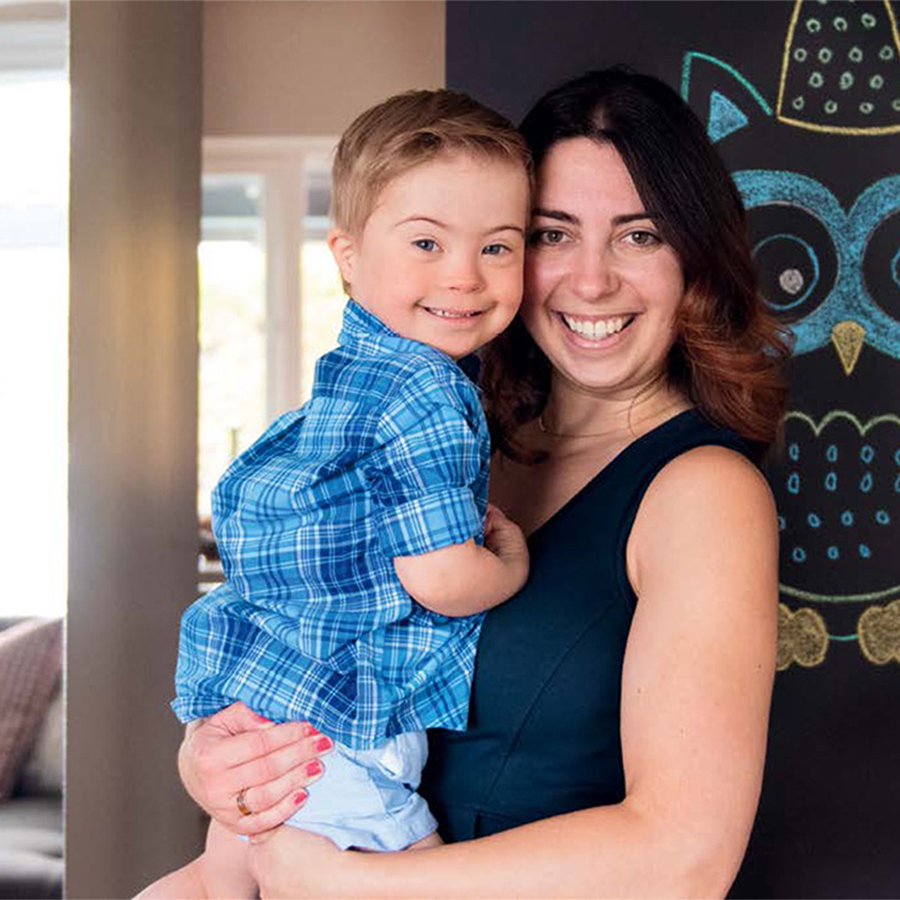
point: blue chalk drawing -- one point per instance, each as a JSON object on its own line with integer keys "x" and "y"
{"x": 724, "y": 117}
{"x": 688, "y": 63}
{"x": 850, "y": 232}
{"x": 810, "y": 255}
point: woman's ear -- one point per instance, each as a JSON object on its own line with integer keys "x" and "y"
{"x": 343, "y": 248}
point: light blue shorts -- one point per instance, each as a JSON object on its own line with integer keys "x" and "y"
{"x": 367, "y": 798}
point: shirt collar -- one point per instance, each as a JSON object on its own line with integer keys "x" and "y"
{"x": 360, "y": 327}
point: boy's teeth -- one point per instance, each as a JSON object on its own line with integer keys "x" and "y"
{"x": 599, "y": 328}
{"x": 450, "y": 314}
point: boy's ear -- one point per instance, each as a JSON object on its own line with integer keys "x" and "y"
{"x": 343, "y": 248}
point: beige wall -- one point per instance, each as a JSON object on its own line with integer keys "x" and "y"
{"x": 134, "y": 228}
{"x": 307, "y": 67}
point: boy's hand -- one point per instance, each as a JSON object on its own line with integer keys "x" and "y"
{"x": 506, "y": 541}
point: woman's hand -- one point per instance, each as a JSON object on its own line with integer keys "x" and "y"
{"x": 235, "y": 752}
{"x": 290, "y": 862}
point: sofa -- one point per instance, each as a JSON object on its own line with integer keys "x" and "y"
{"x": 31, "y": 769}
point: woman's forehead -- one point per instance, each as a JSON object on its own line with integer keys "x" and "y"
{"x": 580, "y": 170}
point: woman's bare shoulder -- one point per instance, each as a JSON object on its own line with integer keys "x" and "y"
{"x": 708, "y": 508}
{"x": 710, "y": 476}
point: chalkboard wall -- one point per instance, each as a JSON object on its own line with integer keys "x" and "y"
{"x": 803, "y": 100}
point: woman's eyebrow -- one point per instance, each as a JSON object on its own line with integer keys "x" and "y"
{"x": 557, "y": 214}
{"x": 561, "y": 216}
{"x": 625, "y": 218}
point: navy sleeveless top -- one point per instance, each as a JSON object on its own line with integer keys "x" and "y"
{"x": 543, "y": 728}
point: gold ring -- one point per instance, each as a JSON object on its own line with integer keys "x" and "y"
{"x": 243, "y": 809}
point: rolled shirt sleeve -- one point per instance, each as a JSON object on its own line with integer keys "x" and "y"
{"x": 422, "y": 477}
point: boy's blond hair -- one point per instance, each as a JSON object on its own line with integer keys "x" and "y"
{"x": 405, "y": 131}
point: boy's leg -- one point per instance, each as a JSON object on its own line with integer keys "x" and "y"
{"x": 221, "y": 872}
{"x": 224, "y": 866}
{"x": 185, "y": 883}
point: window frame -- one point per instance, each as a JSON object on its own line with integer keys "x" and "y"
{"x": 283, "y": 164}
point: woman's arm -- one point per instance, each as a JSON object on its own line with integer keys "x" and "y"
{"x": 696, "y": 686}
{"x": 237, "y": 750}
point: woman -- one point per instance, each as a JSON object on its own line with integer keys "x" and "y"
{"x": 618, "y": 720}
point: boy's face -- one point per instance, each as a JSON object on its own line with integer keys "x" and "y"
{"x": 440, "y": 258}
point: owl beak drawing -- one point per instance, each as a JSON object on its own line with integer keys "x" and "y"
{"x": 848, "y": 338}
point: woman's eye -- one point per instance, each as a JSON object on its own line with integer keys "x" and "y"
{"x": 644, "y": 238}
{"x": 495, "y": 249}
{"x": 426, "y": 244}
{"x": 546, "y": 236}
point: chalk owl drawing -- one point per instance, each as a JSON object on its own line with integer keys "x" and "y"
{"x": 829, "y": 263}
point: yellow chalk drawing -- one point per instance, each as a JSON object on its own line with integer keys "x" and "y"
{"x": 878, "y": 631}
{"x": 848, "y": 338}
{"x": 825, "y": 421}
{"x": 796, "y": 57}
{"x": 802, "y": 638}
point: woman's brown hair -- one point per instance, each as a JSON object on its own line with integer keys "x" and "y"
{"x": 729, "y": 350}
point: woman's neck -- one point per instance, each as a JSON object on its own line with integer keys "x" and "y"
{"x": 575, "y": 413}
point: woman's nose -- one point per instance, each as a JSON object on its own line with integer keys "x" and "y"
{"x": 593, "y": 273}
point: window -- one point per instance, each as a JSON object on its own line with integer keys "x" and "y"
{"x": 270, "y": 296}
{"x": 34, "y": 157}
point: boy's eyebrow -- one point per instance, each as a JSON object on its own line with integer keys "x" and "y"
{"x": 421, "y": 219}
{"x": 517, "y": 228}
{"x": 444, "y": 225}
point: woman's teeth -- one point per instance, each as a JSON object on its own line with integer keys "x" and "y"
{"x": 595, "y": 329}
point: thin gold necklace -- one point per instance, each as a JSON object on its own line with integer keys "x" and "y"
{"x": 595, "y": 434}
{"x": 567, "y": 434}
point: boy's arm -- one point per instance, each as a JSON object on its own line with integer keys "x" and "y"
{"x": 462, "y": 579}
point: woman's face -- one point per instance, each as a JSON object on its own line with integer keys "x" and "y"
{"x": 601, "y": 287}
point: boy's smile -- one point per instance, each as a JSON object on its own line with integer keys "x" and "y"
{"x": 440, "y": 258}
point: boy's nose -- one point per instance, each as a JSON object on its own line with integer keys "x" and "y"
{"x": 464, "y": 275}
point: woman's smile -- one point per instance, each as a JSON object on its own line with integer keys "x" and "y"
{"x": 597, "y": 331}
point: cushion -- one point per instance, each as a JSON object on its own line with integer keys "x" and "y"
{"x": 42, "y": 773}
{"x": 30, "y": 666}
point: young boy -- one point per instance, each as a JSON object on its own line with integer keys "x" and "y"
{"x": 353, "y": 532}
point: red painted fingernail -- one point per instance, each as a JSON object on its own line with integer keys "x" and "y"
{"x": 322, "y": 744}
{"x": 299, "y": 797}
{"x": 311, "y": 730}
{"x": 262, "y": 718}
{"x": 314, "y": 768}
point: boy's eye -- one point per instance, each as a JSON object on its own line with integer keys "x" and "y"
{"x": 495, "y": 249}
{"x": 426, "y": 244}
{"x": 544, "y": 236}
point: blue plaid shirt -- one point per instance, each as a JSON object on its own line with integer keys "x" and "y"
{"x": 389, "y": 458}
